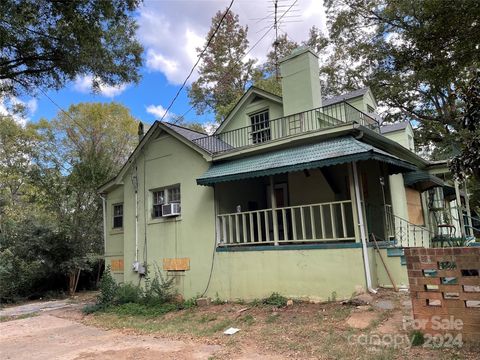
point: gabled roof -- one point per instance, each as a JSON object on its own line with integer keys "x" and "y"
{"x": 186, "y": 136}
{"x": 347, "y": 96}
{"x": 249, "y": 94}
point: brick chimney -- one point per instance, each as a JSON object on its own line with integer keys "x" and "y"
{"x": 300, "y": 81}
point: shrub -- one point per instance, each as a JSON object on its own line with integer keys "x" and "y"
{"x": 128, "y": 293}
{"x": 91, "y": 308}
{"x": 17, "y": 276}
{"x": 187, "y": 304}
{"x": 276, "y": 300}
{"x": 132, "y": 309}
{"x": 158, "y": 290}
{"x": 108, "y": 288}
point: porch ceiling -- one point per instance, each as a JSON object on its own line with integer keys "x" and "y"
{"x": 330, "y": 152}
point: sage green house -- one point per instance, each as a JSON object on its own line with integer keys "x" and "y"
{"x": 283, "y": 197}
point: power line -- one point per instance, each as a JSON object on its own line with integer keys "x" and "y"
{"x": 198, "y": 60}
{"x": 249, "y": 51}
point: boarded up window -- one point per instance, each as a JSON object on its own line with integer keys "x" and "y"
{"x": 414, "y": 205}
{"x": 176, "y": 264}
{"x": 117, "y": 265}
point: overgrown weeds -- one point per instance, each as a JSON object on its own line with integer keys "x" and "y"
{"x": 154, "y": 299}
{"x": 276, "y": 300}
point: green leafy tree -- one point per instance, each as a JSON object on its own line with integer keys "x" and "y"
{"x": 223, "y": 73}
{"x": 416, "y": 56}
{"x": 265, "y": 76}
{"x": 95, "y": 140}
{"x": 51, "y": 214}
{"x": 47, "y": 43}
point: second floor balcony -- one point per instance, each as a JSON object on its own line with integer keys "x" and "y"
{"x": 264, "y": 130}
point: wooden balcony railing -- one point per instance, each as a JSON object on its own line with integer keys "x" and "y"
{"x": 332, "y": 221}
{"x": 296, "y": 124}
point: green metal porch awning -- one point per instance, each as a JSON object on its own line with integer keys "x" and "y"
{"x": 422, "y": 181}
{"x": 330, "y": 152}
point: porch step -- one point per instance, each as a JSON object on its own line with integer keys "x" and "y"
{"x": 392, "y": 252}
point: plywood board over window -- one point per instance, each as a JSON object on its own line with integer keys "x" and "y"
{"x": 414, "y": 205}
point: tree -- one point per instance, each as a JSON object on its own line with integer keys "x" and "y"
{"x": 467, "y": 162}
{"x": 50, "y": 172}
{"x": 416, "y": 56}
{"x": 223, "y": 73}
{"x": 95, "y": 140}
{"x": 47, "y": 43}
{"x": 265, "y": 76}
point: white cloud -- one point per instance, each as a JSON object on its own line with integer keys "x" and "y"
{"x": 83, "y": 84}
{"x": 158, "y": 111}
{"x": 8, "y": 104}
{"x": 172, "y": 30}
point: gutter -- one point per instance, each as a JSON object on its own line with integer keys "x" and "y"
{"x": 104, "y": 206}
{"x": 363, "y": 235}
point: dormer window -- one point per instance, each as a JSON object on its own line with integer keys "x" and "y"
{"x": 260, "y": 127}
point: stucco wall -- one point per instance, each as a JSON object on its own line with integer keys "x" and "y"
{"x": 191, "y": 235}
{"x": 241, "y": 117}
{"x": 314, "y": 273}
{"x": 395, "y": 267}
{"x": 115, "y": 238}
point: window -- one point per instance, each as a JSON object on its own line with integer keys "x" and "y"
{"x": 370, "y": 109}
{"x": 164, "y": 196}
{"x": 118, "y": 216}
{"x": 260, "y": 127}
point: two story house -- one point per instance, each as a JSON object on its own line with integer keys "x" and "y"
{"x": 284, "y": 196}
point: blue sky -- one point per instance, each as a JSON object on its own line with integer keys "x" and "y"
{"x": 170, "y": 31}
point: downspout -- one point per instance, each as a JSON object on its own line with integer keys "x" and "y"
{"x": 136, "y": 226}
{"x": 104, "y": 206}
{"x": 135, "y": 188}
{"x": 363, "y": 235}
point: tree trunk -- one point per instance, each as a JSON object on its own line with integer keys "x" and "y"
{"x": 74, "y": 276}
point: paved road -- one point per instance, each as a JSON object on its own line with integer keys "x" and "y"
{"x": 49, "y": 337}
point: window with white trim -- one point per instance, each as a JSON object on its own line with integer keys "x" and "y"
{"x": 164, "y": 196}
{"x": 260, "y": 127}
{"x": 117, "y": 216}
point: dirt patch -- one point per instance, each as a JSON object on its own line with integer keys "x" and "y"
{"x": 49, "y": 337}
{"x": 301, "y": 331}
{"x": 361, "y": 320}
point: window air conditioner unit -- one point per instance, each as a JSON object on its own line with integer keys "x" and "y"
{"x": 171, "y": 210}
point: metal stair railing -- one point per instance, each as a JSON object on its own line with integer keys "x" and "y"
{"x": 406, "y": 233}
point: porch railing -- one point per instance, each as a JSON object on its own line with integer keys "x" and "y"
{"x": 405, "y": 233}
{"x": 274, "y": 129}
{"x": 332, "y": 221}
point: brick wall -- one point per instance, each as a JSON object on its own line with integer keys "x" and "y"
{"x": 445, "y": 287}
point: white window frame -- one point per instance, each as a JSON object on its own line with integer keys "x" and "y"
{"x": 260, "y": 127}
{"x": 171, "y": 194}
{"x": 115, "y": 216}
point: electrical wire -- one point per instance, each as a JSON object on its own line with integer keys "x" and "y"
{"x": 198, "y": 61}
{"x": 227, "y": 72}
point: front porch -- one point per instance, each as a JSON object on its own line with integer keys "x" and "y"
{"x": 316, "y": 206}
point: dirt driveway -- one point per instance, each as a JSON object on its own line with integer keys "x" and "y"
{"x": 49, "y": 337}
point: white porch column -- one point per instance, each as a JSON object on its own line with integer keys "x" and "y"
{"x": 361, "y": 224}
{"x": 273, "y": 201}
{"x": 459, "y": 208}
